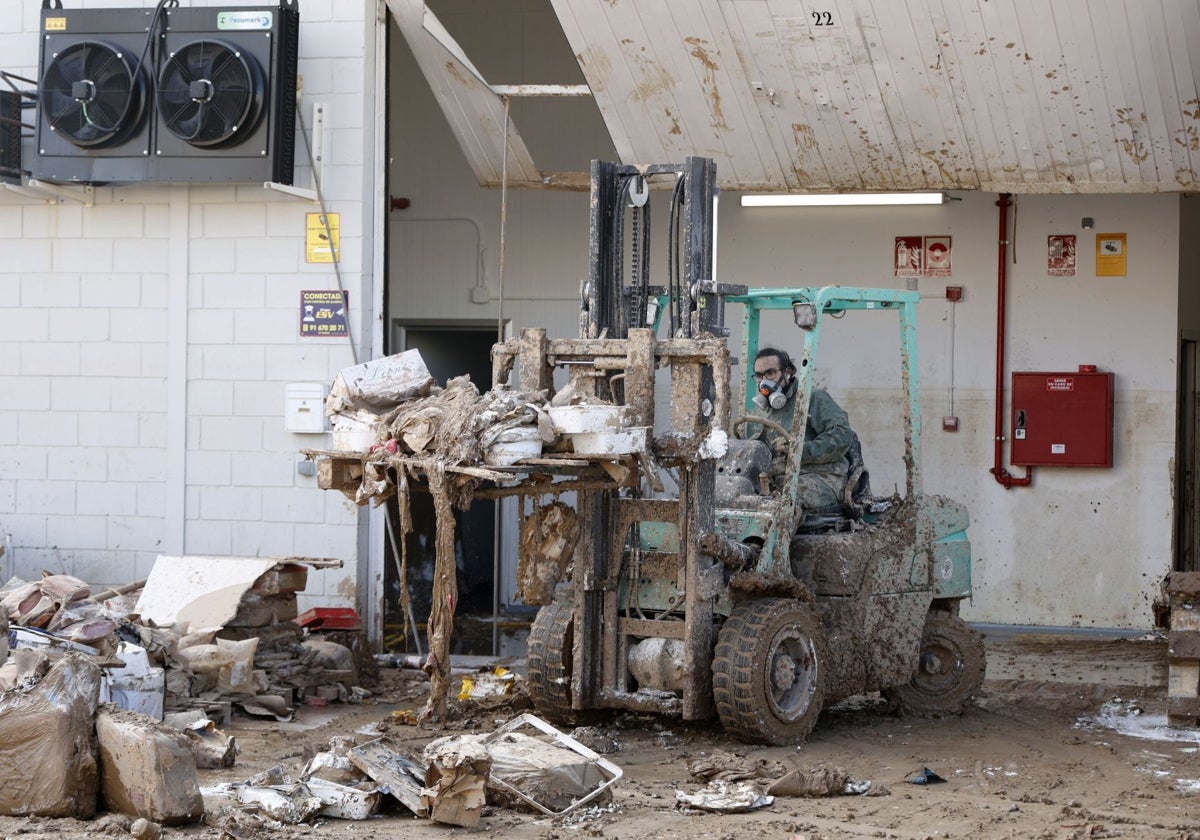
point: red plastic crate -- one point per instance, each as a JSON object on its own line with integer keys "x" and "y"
{"x": 329, "y": 618}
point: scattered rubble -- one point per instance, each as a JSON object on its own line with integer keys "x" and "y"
{"x": 112, "y": 700}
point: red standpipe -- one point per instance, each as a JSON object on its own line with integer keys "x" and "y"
{"x": 1003, "y": 476}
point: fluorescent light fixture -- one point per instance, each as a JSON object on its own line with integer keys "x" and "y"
{"x": 842, "y": 199}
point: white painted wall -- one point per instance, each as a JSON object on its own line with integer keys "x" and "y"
{"x": 1080, "y": 546}
{"x": 146, "y": 342}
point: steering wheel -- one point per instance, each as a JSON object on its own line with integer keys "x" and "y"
{"x": 761, "y": 421}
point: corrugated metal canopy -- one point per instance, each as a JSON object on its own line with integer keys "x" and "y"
{"x": 998, "y": 95}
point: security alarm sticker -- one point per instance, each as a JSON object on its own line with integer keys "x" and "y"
{"x": 245, "y": 20}
{"x": 322, "y": 237}
{"x": 323, "y": 314}
{"x": 1110, "y": 255}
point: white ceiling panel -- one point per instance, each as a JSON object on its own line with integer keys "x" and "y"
{"x": 998, "y": 95}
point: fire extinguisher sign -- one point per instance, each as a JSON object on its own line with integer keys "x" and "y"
{"x": 922, "y": 256}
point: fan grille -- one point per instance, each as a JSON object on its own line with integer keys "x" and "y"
{"x": 210, "y": 93}
{"x": 91, "y": 95}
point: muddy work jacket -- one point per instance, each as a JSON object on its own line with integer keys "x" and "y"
{"x": 827, "y": 439}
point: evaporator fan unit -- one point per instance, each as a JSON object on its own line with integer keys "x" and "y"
{"x": 167, "y": 94}
{"x": 210, "y": 93}
{"x": 92, "y": 94}
{"x": 225, "y": 94}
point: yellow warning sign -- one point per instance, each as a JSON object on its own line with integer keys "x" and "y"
{"x": 1110, "y": 255}
{"x": 322, "y": 239}
{"x": 56, "y": 24}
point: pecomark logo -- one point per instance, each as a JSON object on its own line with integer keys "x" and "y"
{"x": 244, "y": 20}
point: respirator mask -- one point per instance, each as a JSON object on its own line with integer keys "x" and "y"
{"x": 770, "y": 394}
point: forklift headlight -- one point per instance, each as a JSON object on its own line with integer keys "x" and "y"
{"x": 805, "y": 315}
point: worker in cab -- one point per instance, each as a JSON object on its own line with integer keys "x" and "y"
{"x": 828, "y": 437}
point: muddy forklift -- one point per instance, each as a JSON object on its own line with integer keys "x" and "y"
{"x": 699, "y": 588}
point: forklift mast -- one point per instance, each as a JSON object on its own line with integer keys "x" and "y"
{"x": 620, "y": 197}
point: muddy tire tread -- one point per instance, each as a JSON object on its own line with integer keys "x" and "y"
{"x": 950, "y": 631}
{"x": 739, "y": 675}
{"x": 548, "y": 661}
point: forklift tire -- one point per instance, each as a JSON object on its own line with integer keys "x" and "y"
{"x": 769, "y": 671}
{"x": 548, "y": 660}
{"x": 951, "y": 669}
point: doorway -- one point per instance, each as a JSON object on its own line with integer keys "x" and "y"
{"x": 449, "y": 349}
{"x": 1187, "y": 516}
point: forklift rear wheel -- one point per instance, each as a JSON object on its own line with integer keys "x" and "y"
{"x": 769, "y": 671}
{"x": 548, "y": 660}
{"x": 950, "y": 670}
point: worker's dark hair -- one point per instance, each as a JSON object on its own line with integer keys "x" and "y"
{"x": 784, "y": 359}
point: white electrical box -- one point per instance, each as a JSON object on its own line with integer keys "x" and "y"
{"x": 305, "y": 410}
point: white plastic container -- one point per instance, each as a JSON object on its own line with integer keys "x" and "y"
{"x": 512, "y": 445}
{"x": 618, "y": 442}
{"x": 353, "y": 440}
{"x": 586, "y": 419}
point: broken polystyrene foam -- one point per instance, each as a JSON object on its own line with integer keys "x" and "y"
{"x": 290, "y": 804}
{"x": 393, "y": 772}
{"x": 380, "y": 383}
{"x": 137, "y": 662}
{"x": 342, "y": 802}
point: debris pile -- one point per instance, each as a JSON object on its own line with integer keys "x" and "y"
{"x": 112, "y": 699}
{"x": 405, "y": 432}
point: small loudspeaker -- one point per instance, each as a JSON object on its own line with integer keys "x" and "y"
{"x": 10, "y": 136}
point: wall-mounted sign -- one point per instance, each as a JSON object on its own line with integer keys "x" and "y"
{"x": 322, "y": 241}
{"x": 1110, "y": 255}
{"x": 909, "y": 253}
{"x": 922, "y": 256}
{"x": 323, "y": 314}
{"x": 1060, "y": 255}
{"x": 937, "y": 256}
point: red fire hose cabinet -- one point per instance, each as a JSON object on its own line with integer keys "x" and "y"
{"x": 1062, "y": 419}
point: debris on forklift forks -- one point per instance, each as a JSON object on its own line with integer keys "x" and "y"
{"x": 690, "y": 585}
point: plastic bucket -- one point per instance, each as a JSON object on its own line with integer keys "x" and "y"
{"x": 512, "y": 445}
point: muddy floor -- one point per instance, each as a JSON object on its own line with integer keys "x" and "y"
{"x": 1066, "y": 741}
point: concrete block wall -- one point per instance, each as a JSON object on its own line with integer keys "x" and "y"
{"x": 146, "y": 343}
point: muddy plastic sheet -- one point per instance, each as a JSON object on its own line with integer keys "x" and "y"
{"x": 48, "y": 744}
